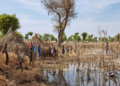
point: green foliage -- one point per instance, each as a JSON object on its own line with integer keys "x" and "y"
{"x": 64, "y": 37}
{"x": 71, "y": 38}
{"x": 52, "y": 38}
{"x": 6, "y": 21}
{"x": 111, "y": 39}
{"x": 40, "y": 36}
{"x": 117, "y": 37}
{"x": 104, "y": 39}
{"x": 26, "y": 37}
{"x": 19, "y": 35}
{"x": 77, "y": 37}
{"x": 30, "y": 33}
{"x": 84, "y": 35}
{"x": 89, "y": 38}
{"x": 94, "y": 39}
{"x": 46, "y": 37}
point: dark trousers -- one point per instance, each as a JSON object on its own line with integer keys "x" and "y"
{"x": 20, "y": 63}
{"x": 7, "y": 58}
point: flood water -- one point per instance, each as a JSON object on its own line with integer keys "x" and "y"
{"x": 69, "y": 75}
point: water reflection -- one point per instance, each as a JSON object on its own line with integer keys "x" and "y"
{"x": 76, "y": 74}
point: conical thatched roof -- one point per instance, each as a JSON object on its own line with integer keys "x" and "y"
{"x": 44, "y": 47}
{"x": 12, "y": 39}
{"x": 38, "y": 40}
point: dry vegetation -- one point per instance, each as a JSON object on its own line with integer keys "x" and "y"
{"x": 11, "y": 75}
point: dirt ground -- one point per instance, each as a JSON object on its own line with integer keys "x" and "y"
{"x": 11, "y": 75}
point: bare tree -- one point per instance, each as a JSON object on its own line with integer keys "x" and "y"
{"x": 63, "y": 11}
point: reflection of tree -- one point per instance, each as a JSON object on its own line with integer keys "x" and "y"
{"x": 61, "y": 77}
{"x": 114, "y": 80}
{"x": 77, "y": 79}
{"x": 54, "y": 72}
{"x": 88, "y": 76}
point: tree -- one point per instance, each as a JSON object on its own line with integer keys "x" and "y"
{"x": 19, "y": 35}
{"x": 71, "y": 38}
{"x": 40, "y": 36}
{"x": 89, "y": 38}
{"x": 63, "y": 11}
{"x": 26, "y": 37}
{"x": 94, "y": 39}
{"x": 46, "y": 37}
{"x": 117, "y": 37}
{"x": 103, "y": 39}
{"x": 111, "y": 39}
{"x": 84, "y": 35}
{"x": 6, "y": 21}
{"x": 30, "y": 33}
{"x": 64, "y": 37}
{"x": 77, "y": 37}
{"x": 52, "y": 38}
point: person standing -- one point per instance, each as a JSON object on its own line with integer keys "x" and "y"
{"x": 30, "y": 53}
{"x": 75, "y": 48}
{"x": 66, "y": 51}
{"x": 4, "y": 50}
{"x": 107, "y": 48}
{"x": 34, "y": 47}
{"x": 52, "y": 50}
{"x": 39, "y": 51}
{"x": 63, "y": 50}
{"x": 17, "y": 52}
{"x": 31, "y": 46}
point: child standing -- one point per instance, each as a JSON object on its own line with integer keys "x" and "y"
{"x": 66, "y": 51}
{"x": 34, "y": 47}
{"x": 39, "y": 51}
{"x": 30, "y": 53}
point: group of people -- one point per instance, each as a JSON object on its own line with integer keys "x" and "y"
{"x": 35, "y": 48}
{"x": 68, "y": 50}
{"x": 52, "y": 51}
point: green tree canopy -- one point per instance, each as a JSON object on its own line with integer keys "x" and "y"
{"x": 40, "y": 36}
{"x": 6, "y": 21}
{"x": 19, "y": 35}
{"x": 117, "y": 37}
{"x": 64, "y": 37}
{"x": 84, "y": 35}
{"x": 26, "y": 37}
{"x": 71, "y": 38}
{"x": 94, "y": 39}
{"x": 52, "y": 38}
{"x": 89, "y": 38}
{"x": 46, "y": 37}
{"x": 111, "y": 39}
{"x": 77, "y": 37}
{"x": 30, "y": 33}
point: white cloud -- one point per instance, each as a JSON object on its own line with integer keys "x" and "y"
{"x": 34, "y": 5}
{"x": 91, "y": 27}
{"x": 94, "y": 5}
{"x": 28, "y": 23}
{"x": 88, "y": 25}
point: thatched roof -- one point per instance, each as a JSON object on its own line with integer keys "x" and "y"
{"x": 12, "y": 39}
{"x": 38, "y": 40}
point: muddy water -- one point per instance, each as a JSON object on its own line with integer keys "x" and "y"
{"x": 72, "y": 74}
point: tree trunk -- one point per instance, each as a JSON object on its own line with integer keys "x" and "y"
{"x": 60, "y": 38}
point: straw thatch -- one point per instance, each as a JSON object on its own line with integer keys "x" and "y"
{"x": 44, "y": 47}
{"x": 12, "y": 40}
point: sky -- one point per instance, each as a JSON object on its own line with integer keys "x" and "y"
{"x": 92, "y": 14}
